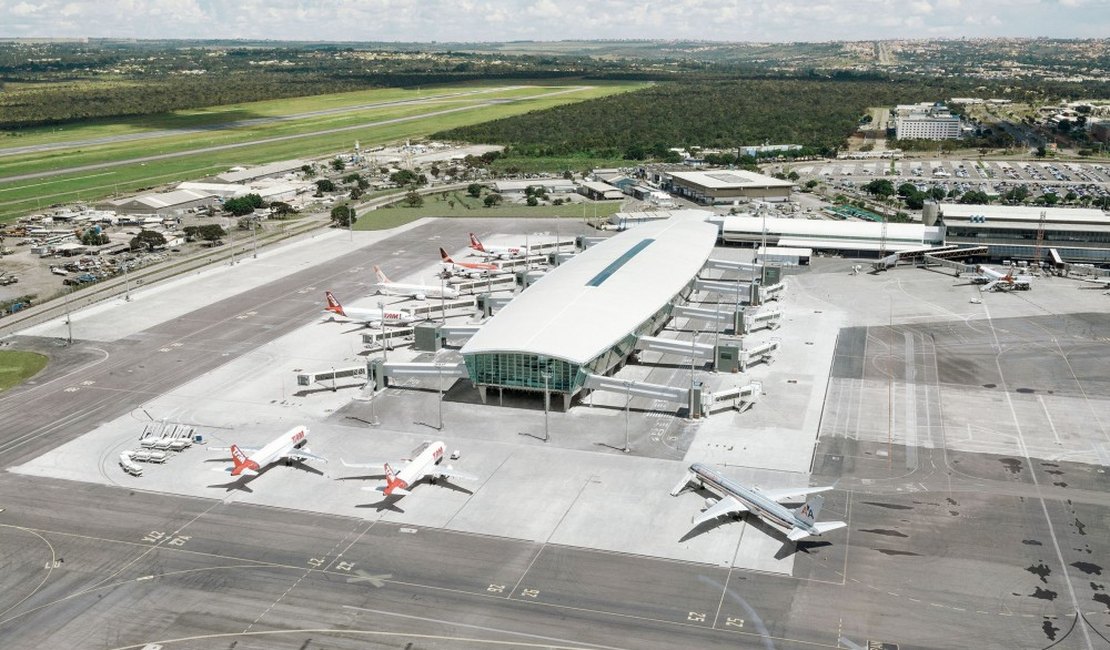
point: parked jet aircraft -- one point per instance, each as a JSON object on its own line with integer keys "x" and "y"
{"x": 499, "y": 252}
{"x": 468, "y": 269}
{"x": 368, "y": 316}
{"x": 289, "y": 447}
{"x": 417, "y": 291}
{"x": 425, "y": 463}
{"x": 797, "y": 523}
{"x": 999, "y": 280}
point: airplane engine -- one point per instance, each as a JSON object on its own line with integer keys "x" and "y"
{"x": 709, "y": 503}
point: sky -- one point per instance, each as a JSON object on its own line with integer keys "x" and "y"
{"x": 503, "y": 20}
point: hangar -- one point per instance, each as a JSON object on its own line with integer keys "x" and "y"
{"x": 585, "y": 317}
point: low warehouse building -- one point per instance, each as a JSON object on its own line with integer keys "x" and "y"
{"x": 726, "y": 186}
{"x": 163, "y": 204}
{"x": 584, "y": 317}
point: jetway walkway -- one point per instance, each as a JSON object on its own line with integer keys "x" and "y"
{"x": 765, "y": 319}
{"x": 674, "y": 346}
{"x": 723, "y": 287}
{"x": 952, "y": 258}
{"x": 333, "y": 375}
{"x": 909, "y": 255}
{"x": 740, "y": 398}
{"x": 725, "y": 316}
{"x": 435, "y": 307}
{"x": 729, "y": 265}
{"x": 487, "y": 284}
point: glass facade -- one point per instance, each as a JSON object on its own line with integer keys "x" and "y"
{"x": 525, "y": 371}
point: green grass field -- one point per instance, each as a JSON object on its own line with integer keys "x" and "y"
{"x": 459, "y": 204}
{"x": 21, "y": 197}
{"x": 17, "y": 367}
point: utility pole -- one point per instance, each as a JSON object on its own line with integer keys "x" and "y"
{"x": 126, "y": 282}
{"x": 546, "y": 374}
{"x": 1038, "y": 249}
{"x": 69, "y": 321}
{"x": 381, "y": 325}
{"x": 254, "y": 239}
{"x": 627, "y": 404}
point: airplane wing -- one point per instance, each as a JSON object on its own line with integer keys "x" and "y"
{"x": 303, "y": 454}
{"x": 783, "y": 495}
{"x": 450, "y": 472}
{"x": 246, "y": 450}
{"x": 726, "y": 506}
{"x": 378, "y": 464}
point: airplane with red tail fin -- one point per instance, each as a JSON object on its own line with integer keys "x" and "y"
{"x": 499, "y": 252}
{"x": 290, "y": 447}
{"x": 425, "y": 463}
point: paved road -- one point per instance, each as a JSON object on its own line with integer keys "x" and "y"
{"x": 282, "y": 138}
{"x": 240, "y": 124}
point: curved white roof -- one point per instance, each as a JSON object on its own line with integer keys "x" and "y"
{"x": 588, "y": 304}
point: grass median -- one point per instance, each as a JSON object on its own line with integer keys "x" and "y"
{"x": 17, "y": 366}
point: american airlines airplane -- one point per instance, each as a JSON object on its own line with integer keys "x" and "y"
{"x": 425, "y": 463}
{"x": 367, "y": 316}
{"x": 499, "y": 252}
{"x": 797, "y": 523}
{"x": 417, "y": 291}
{"x": 468, "y": 269}
{"x": 289, "y": 447}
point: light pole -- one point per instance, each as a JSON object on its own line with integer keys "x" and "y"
{"x": 231, "y": 241}
{"x": 69, "y": 320}
{"x": 693, "y": 350}
{"x": 439, "y": 383}
{"x": 442, "y": 300}
{"x": 546, "y": 374}
{"x": 254, "y": 239}
{"x": 381, "y": 325}
{"x": 627, "y": 405}
{"x": 126, "y": 282}
{"x": 716, "y": 332}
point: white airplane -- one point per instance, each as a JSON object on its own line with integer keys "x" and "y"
{"x": 797, "y": 523}
{"x": 368, "y": 316}
{"x": 468, "y": 269}
{"x": 417, "y": 291}
{"x": 290, "y": 446}
{"x": 425, "y": 462}
{"x": 999, "y": 280}
{"x": 498, "y": 252}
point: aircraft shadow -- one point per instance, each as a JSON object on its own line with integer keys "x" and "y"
{"x": 387, "y": 503}
{"x": 361, "y": 477}
{"x": 451, "y": 486}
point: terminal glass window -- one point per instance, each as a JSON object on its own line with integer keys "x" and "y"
{"x": 514, "y": 370}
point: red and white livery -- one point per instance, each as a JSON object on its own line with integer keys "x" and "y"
{"x": 468, "y": 269}
{"x": 499, "y": 252}
{"x": 425, "y": 463}
{"x": 415, "y": 291}
{"x": 289, "y": 447}
{"x": 367, "y": 316}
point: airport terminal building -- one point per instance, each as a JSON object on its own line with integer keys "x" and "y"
{"x": 850, "y": 237}
{"x": 585, "y": 316}
{"x": 1010, "y": 232}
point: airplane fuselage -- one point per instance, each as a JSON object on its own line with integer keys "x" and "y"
{"x": 766, "y": 509}
{"x": 417, "y": 291}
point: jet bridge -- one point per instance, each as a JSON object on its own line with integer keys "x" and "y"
{"x": 702, "y": 313}
{"x": 674, "y": 346}
{"x": 488, "y": 283}
{"x": 740, "y": 398}
{"x": 760, "y": 352}
{"x": 382, "y": 373}
{"x": 330, "y": 378}
{"x": 765, "y": 319}
{"x": 723, "y": 286}
{"x": 729, "y": 265}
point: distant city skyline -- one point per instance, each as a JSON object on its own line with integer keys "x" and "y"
{"x": 547, "y": 20}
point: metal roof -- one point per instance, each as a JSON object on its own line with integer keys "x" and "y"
{"x": 729, "y": 179}
{"x": 262, "y": 170}
{"x": 1031, "y": 214}
{"x": 588, "y": 304}
{"x": 825, "y": 234}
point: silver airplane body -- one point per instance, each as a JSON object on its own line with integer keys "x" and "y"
{"x": 797, "y": 523}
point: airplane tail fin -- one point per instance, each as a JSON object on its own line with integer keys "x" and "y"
{"x": 382, "y": 279}
{"x": 393, "y": 485}
{"x": 807, "y": 514}
{"x": 333, "y": 304}
{"x": 445, "y": 257}
{"x": 476, "y": 244}
{"x": 243, "y": 465}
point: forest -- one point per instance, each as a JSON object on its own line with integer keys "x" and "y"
{"x": 818, "y": 114}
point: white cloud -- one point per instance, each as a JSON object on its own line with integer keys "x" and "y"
{"x": 474, "y": 20}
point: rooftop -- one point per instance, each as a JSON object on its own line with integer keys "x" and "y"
{"x": 1030, "y": 214}
{"x": 729, "y": 179}
{"x": 261, "y": 170}
{"x": 585, "y": 306}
